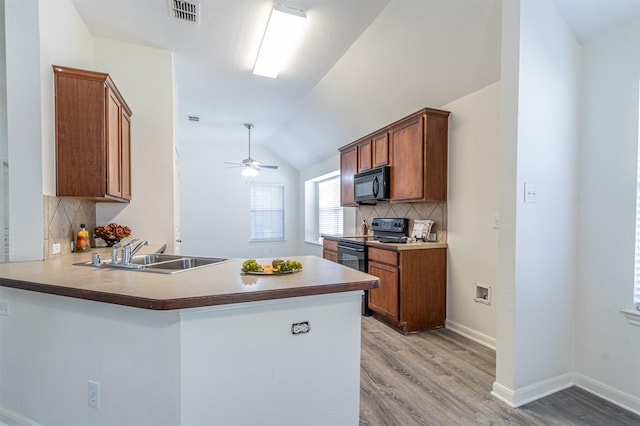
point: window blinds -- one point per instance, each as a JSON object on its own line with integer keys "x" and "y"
{"x": 329, "y": 210}
{"x": 267, "y": 212}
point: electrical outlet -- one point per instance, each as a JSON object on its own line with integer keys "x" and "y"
{"x": 55, "y": 248}
{"x": 300, "y": 327}
{"x": 5, "y": 308}
{"x": 483, "y": 294}
{"x": 94, "y": 394}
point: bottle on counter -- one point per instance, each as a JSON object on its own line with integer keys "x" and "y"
{"x": 82, "y": 242}
{"x": 365, "y": 228}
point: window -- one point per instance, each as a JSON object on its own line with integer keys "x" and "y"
{"x": 322, "y": 211}
{"x": 267, "y": 212}
{"x": 329, "y": 210}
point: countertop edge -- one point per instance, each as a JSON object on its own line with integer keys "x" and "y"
{"x": 186, "y": 302}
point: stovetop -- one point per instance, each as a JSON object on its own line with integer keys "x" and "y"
{"x": 385, "y": 230}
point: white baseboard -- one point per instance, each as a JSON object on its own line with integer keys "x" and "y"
{"x": 10, "y": 418}
{"x": 621, "y": 399}
{"x": 531, "y": 392}
{"x": 471, "y": 334}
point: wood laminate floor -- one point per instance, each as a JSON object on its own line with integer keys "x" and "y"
{"x": 441, "y": 378}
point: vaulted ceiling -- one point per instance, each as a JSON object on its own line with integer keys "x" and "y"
{"x": 360, "y": 65}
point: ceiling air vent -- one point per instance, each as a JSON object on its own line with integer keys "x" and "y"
{"x": 184, "y": 10}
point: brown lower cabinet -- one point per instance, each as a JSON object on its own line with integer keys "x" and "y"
{"x": 330, "y": 249}
{"x": 413, "y": 292}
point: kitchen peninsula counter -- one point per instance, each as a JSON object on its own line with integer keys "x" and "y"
{"x": 217, "y": 284}
{"x": 210, "y": 346}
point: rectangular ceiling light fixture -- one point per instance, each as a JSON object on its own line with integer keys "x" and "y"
{"x": 280, "y": 39}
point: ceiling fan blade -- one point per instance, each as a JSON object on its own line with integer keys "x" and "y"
{"x": 250, "y": 162}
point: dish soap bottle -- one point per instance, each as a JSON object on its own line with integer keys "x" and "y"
{"x": 82, "y": 243}
{"x": 365, "y": 228}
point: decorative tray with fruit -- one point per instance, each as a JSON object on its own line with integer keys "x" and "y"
{"x": 277, "y": 267}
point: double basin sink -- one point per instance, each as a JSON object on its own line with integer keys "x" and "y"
{"x": 160, "y": 263}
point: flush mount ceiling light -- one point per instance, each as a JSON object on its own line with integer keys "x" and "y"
{"x": 280, "y": 39}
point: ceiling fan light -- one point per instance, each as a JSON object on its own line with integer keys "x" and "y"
{"x": 279, "y": 41}
{"x": 249, "y": 171}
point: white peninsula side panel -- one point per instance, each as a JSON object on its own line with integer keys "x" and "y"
{"x": 222, "y": 365}
{"x": 241, "y": 364}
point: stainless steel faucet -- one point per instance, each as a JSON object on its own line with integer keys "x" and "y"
{"x": 114, "y": 252}
{"x": 128, "y": 252}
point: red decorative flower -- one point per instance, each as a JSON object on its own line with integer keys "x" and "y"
{"x": 112, "y": 232}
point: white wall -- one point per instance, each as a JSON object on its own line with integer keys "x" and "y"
{"x": 474, "y": 147}
{"x": 144, "y": 76}
{"x": 607, "y": 347}
{"x": 541, "y": 349}
{"x": 215, "y": 200}
{"x": 52, "y": 346}
{"x": 38, "y": 34}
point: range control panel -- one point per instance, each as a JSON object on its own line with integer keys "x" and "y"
{"x": 397, "y": 225}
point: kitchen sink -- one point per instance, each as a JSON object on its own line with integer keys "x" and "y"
{"x": 183, "y": 264}
{"x": 154, "y": 258}
{"x": 159, "y": 263}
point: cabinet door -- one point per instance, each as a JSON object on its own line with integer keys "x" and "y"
{"x": 364, "y": 156}
{"x": 384, "y": 299}
{"x": 408, "y": 160}
{"x": 330, "y": 255}
{"x": 348, "y": 168}
{"x": 125, "y": 165}
{"x": 380, "y": 150}
{"x": 114, "y": 155}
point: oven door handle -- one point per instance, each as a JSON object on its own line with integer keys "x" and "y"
{"x": 349, "y": 248}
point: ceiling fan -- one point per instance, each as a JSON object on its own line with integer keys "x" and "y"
{"x": 250, "y": 167}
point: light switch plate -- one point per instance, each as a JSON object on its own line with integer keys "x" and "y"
{"x": 55, "y": 248}
{"x": 530, "y": 193}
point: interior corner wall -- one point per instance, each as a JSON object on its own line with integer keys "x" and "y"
{"x": 215, "y": 201}
{"x": 473, "y": 200}
{"x": 144, "y": 76}
{"x": 607, "y": 347}
{"x": 546, "y": 151}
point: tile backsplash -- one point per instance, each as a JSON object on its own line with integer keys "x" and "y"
{"x": 433, "y": 211}
{"x": 62, "y": 219}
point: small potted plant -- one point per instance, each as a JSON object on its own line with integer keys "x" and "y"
{"x": 112, "y": 233}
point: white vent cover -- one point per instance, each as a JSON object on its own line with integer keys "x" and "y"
{"x": 185, "y": 10}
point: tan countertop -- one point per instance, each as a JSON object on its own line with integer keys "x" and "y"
{"x": 418, "y": 245}
{"x": 217, "y": 284}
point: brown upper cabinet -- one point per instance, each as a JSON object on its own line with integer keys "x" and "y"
{"x": 348, "y": 168}
{"x": 380, "y": 144}
{"x": 93, "y": 136}
{"x": 415, "y": 148}
{"x": 364, "y": 155}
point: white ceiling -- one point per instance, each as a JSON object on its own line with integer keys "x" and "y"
{"x": 361, "y": 64}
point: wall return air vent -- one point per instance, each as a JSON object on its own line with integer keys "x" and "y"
{"x": 185, "y": 10}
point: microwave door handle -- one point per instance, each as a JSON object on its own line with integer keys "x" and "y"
{"x": 376, "y": 187}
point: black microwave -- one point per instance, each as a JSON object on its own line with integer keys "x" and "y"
{"x": 371, "y": 185}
